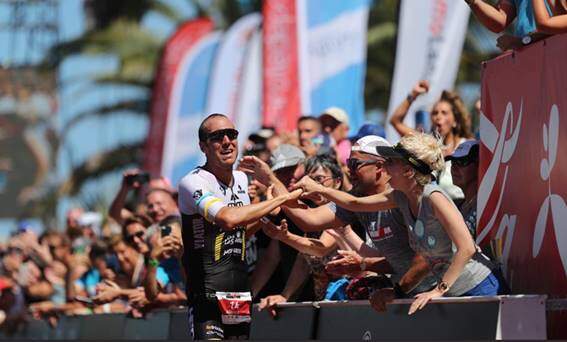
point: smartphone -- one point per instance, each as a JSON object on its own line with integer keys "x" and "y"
{"x": 165, "y": 230}
{"x": 142, "y": 178}
{"x": 85, "y": 300}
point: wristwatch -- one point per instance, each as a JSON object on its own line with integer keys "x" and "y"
{"x": 410, "y": 98}
{"x": 526, "y": 40}
{"x": 443, "y": 286}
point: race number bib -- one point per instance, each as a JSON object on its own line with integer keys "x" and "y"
{"x": 234, "y": 306}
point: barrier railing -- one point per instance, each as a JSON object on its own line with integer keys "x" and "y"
{"x": 503, "y": 317}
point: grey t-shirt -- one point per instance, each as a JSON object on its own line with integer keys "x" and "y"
{"x": 428, "y": 237}
{"x": 388, "y": 234}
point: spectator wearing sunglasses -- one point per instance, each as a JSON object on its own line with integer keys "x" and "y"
{"x": 388, "y": 250}
{"x": 465, "y": 175}
{"x": 135, "y": 233}
{"x": 436, "y": 227}
{"x": 160, "y": 257}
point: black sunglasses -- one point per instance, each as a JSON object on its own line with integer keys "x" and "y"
{"x": 354, "y": 164}
{"x": 218, "y": 136}
{"x": 139, "y": 234}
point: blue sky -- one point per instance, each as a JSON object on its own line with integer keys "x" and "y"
{"x": 76, "y": 94}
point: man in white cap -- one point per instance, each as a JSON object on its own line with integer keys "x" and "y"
{"x": 287, "y": 165}
{"x": 335, "y": 123}
{"x": 386, "y": 229}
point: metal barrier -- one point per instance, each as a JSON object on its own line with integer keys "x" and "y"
{"x": 466, "y": 318}
{"x": 503, "y": 317}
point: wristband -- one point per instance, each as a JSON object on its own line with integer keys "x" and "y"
{"x": 152, "y": 262}
{"x": 410, "y": 98}
{"x": 398, "y": 292}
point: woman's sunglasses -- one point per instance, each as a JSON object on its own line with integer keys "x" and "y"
{"x": 218, "y": 136}
{"x": 140, "y": 234}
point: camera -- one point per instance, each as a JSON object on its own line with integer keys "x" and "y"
{"x": 141, "y": 178}
{"x": 165, "y": 230}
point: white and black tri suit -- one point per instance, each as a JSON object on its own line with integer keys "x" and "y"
{"x": 214, "y": 259}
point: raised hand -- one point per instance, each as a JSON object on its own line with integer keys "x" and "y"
{"x": 292, "y": 197}
{"x": 275, "y": 232}
{"x": 345, "y": 263}
{"x": 172, "y": 246}
{"x": 308, "y": 185}
{"x": 257, "y": 167}
{"x": 420, "y": 88}
{"x": 129, "y": 173}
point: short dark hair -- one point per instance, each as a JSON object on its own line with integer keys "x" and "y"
{"x": 308, "y": 118}
{"x": 202, "y": 130}
{"x": 99, "y": 249}
{"x": 331, "y": 164}
{"x": 139, "y": 219}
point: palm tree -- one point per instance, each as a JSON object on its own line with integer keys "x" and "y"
{"x": 115, "y": 28}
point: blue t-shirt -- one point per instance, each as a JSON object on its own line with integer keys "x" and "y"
{"x": 88, "y": 281}
{"x": 172, "y": 268}
{"x": 525, "y": 20}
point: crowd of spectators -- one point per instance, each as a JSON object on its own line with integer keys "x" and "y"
{"x": 129, "y": 261}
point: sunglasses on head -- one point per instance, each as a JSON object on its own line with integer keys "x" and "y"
{"x": 218, "y": 136}
{"x": 355, "y": 164}
{"x": 140, "y": 234}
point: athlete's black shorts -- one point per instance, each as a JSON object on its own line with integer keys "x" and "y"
{"x": 207, "y": 322}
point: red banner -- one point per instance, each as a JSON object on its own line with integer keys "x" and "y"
{"x": 522, "y": 196}
{"x": 174, "y": 51}
{"x": 281, "y": 89}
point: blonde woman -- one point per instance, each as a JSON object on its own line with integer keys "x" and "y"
{"x": 437, "y": 229}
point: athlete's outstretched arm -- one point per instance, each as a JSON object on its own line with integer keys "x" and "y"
{"x": 229, "y": 218}
{"x": 381, "y": 201}
{"x": 199, "y": 197}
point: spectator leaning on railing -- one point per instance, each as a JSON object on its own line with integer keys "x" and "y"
{"x": 435, "y": 224}
{"x": 389, "y": 237}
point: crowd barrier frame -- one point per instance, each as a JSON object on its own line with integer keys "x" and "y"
{"x": 466, "y": 318}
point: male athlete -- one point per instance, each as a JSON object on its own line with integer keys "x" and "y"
{"x": 215, "y": 212}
